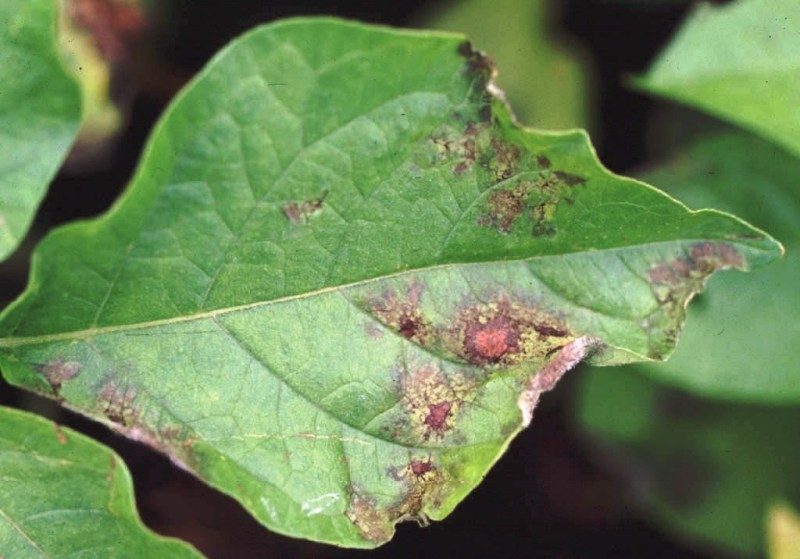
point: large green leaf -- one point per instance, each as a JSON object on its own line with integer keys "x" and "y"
{"x": 333, "y": 281}
{"x": 706, "y": 471}
{"x": 740, "y": 339}
{"x": 740, "y": 62}
{"x": 65, "y": 495}
{"x": 39, "y": 113}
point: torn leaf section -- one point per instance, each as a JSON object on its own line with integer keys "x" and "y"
{"x": 566, "y": 358}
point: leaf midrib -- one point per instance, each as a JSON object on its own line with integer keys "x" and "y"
{"x": 12, "y": 342}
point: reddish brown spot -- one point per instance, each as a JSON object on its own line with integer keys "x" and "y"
{"x": 438, "y": 415}
{"x": 543, "y": 161}
{"x": 421, "y": 467}
{"x": 489, "y": 342}
{"x": 409, "y": 326}
{"x": 431, "y": 400}
{"x": 401, "y": 313}
{"x": 299, "y": 212}
{"x": 703, "y": 259}
{"x": 504, "y": 331}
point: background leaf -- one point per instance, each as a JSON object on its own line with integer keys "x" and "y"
{"x": 545, "y": 77}
{"x": 739, "y": 62}
{"x": 39, "y": 113}
{"x": 332, "y": 301}
{"x": 706, "y": 471}
{"x": 64, "y": 495}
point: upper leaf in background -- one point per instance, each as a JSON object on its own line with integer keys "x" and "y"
{"x": 338, "y": 270}
{"x": 740, "y": 340}
{"x": 65, "y": 495}
{"x": 544, "y": 76}
{"x": 706, "y": 471}
{"x": 39, "y": 113}
{"x": 739, "y": 62}
{"x": 98, "y": 39}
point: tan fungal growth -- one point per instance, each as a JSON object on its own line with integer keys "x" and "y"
{"x": 59, "y": 371}
{"x": 117, "y": 403}
{"x": 401, "y": 313}
{"x": 424, "y": 483}
{"x": 505, "y": 332}
{"x": 534, "y": 200}
{"x": 431, "y": 399}
{"x": 373, "y": 523}
{"x": 673, "y": 284}
{"x": 460, "y": 147}
{"x": 503, "y": 159}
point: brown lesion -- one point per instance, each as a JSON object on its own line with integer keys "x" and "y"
{"x": 504, "y": 331}
{"x": 374, "y": 523}
{"x": 683, "y": 276}
{"x": 299, "y": 212}
{"x": 423, "y": 484}
{"x": 59, "y": 371}
{"x": 460, "y": 146}
{"x": 119, "y": 403}
{"x": 401, "y": 313}
{"x": 535, "y": 199}
{"x": 431, "y": 400}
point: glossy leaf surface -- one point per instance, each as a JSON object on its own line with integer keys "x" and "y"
{"x": 65, "y": 495}
{"x": 39, "y": 113}
{"x": 342, "y": 276}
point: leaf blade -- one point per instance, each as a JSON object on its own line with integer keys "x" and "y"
{"x": 65, "y": 494}
{"x": 39, "y": 114}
